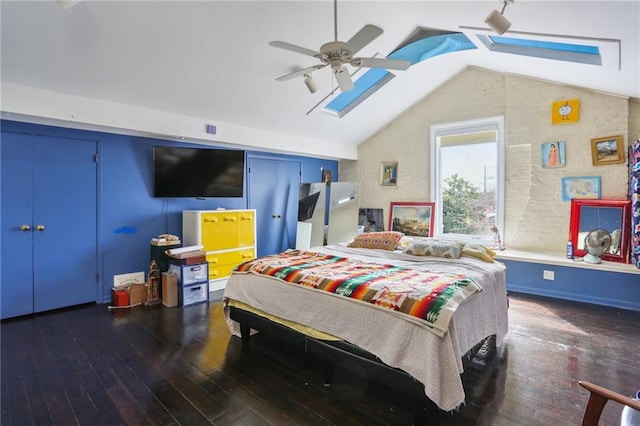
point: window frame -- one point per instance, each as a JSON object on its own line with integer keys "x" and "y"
{"x": 462, "y": 127}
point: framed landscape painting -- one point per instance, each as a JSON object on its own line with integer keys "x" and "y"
{"x": 412, "y": 218}
{"x": 609, "y": 150}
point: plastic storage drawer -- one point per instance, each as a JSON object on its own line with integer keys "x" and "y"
{"x": 192, "y": 294}
{"x": 190, "y": 274}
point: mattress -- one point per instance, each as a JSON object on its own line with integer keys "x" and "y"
{"x": 397, "y": 339}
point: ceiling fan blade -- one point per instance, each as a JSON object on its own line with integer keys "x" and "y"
{"x": 363, "y": 37}
{"x": 344, "y": 79}
{"x": 303, "y": 71}
{"x": 294, "y": 48}
{"x": 390, "y": 64}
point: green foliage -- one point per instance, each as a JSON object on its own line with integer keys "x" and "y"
{"x": 464, "y": 208}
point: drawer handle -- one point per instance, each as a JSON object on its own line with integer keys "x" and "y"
{"x": 246, "y": 255}
{"x": 230, "y": 219}
{"x": 196, "y": 288}
{"x": 214, "y": 261}
{"x": 246, "y": 217}
{"x": 196, "y": 268}
{"x": 214, "y": 273}
{"x": 214, "y": 220}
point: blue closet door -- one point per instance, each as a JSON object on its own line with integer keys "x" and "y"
{"x": 49, "y": 184}
{"x": 16, "y": 285}
{"x": 273, "y": 193}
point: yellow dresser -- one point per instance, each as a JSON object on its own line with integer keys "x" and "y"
{"x": 228, "y": 237}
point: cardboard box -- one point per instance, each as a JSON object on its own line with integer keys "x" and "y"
{"x": 169, "y": 289}
{"x": 191, "y": 260}
{"x": 138, "y": 293}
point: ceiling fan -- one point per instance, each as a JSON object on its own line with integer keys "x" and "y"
{"x": 337, "y": 54}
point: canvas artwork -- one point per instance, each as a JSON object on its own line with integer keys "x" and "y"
{"x": 582, "y": 187}
{"x": 389, "y": 174}
{"x": 412, "y": 218}
{"x": 371, "y": 220}
{"x": 564, "y": 112}
{"x": 553, "y": 155}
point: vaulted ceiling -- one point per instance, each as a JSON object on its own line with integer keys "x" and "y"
{"x": 183, "y": 63}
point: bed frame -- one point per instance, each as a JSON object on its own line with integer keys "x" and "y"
{"x": 331, "y": 353}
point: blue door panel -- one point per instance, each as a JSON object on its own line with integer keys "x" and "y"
{"x": 262, "y": 199}
{"x": 16, "y": 285}
{"x": 273, "y": 192}
{"x": 64, "y": 258}
{"x": 289, "y": 184}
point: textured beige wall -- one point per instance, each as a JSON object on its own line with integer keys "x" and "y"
{"x": 634, "y": 120}
{"x": 536, "y": 218}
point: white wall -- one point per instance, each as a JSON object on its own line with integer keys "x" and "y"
{"x": 536, "y": 218}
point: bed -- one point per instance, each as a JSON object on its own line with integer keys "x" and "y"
{"x": 431, "y": 354}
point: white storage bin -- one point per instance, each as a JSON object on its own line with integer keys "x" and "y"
{"x": 190, "y": 274}
{"x": 192, "y": 294}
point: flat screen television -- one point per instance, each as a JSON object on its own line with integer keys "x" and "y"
{"x": 197, "y": 172}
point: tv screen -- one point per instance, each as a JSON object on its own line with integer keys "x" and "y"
{"x": 197, "y": 172}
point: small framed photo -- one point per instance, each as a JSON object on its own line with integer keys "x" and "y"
{"x": 371, "y": 220}
{"x": 326, "y": 176}
{"x": 413, "y": 218}
{"x": 389, "y": 174}
{"x": 553, "y": 155}
{"x": 607, "y": 150}
{"x": 580, "y": 187}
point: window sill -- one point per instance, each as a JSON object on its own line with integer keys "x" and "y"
{"x": 561, "y": 260}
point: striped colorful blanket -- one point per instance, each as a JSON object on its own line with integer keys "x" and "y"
{"x": 429, "y": 296}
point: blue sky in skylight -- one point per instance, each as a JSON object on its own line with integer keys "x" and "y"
{"x": 540, "y": 44}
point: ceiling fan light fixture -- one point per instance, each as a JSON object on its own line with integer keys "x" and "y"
{"x": 311, "y": 85}
{"x": 497, "y": 21}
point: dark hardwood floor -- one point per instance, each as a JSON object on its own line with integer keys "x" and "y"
{"x": 154, "y": 365}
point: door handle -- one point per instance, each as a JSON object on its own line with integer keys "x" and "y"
{"x": 40, "y": 227}
{"x": 25, "y": 227}
{"x": 276, "y": 216}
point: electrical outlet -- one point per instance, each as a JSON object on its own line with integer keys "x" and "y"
{"x": 548, "y": 275}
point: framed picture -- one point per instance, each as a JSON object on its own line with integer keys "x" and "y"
{"x": 326, "y": 176}
{"x": 371, "y": 220}
{"x": 564, "y": 112}
{"x": 607, "y": 150}
{"x": 413, "y": 218}
{"x": 582, "y": 187}
{"x": 389, "y": 174}
{"x": 553, "y": 155}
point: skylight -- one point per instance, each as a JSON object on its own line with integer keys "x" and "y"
{"x": 569, "y": 52}
{"x": 414, "y": 52}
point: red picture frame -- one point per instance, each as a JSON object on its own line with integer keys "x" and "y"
{"x": 412, "y": 218}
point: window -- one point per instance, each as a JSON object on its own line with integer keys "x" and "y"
{"x": 467, "y": 178}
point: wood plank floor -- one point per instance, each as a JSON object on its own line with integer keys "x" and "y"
{"x": 154, "y": 365}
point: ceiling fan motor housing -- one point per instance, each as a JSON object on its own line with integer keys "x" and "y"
{"x": 335, "y": 53}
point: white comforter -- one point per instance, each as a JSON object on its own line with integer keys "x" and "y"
{"x": 397, "y": 340}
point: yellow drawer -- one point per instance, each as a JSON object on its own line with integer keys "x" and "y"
{"x": 211, "y": 231}
{"x": 220, "y": 271}
{"x": 246, "y": 229}
{"x": 221, "y": 264}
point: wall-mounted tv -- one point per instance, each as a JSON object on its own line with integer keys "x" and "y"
{"x": 197, "y": 172}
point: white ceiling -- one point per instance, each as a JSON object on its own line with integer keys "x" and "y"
{"x": 211, "y": 60}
